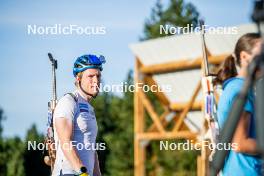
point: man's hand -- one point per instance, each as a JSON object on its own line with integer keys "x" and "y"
{"x": 82, "y": 172}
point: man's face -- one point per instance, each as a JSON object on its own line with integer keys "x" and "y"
{"x": 90, "y": 81}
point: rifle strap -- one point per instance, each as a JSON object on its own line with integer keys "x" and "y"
{"x": 75, "y": 100}
{"x": 73, "y": 96}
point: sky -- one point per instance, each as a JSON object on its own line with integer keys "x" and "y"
{"x": 25, "y": 72}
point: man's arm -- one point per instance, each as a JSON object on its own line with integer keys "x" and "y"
{"x": 96, "y": 171}
{"x": 64, "y": 131}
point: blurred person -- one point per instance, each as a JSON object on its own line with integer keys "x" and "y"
{"x": 244, "y": 159}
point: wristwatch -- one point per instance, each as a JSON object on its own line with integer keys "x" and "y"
{"x": 82, "y": 172}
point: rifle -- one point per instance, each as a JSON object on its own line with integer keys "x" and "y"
{"x": 208, "y": 92}
{"x": 49, "y": 141}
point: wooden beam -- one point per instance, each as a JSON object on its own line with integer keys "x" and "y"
{"x": 187, "y": 108}
{"x": 165, "y": 123}
{"x": 147, "y": 104}
{"x": 162, "y": 119}
{"x": 196, "y": 106}
{"x": 185, "y": 64}
{"x": 160, "y": 95}
{"x": 199, "y": 166}
{"x": 184, "y": 127}
{"x": 139, "y": 122}
{"x": 167, "y": 135}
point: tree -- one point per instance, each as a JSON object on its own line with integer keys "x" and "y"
{"x": 178, "y": 14}
{"x": 11, "y": 153}
{"x": 33, "y": 158}
{"x": 3, "y": 155}
{"x": 14, "y": 152}
{"x": 115, "y": 121}
{"x": 2, "y": 117}
{"x": 105, "y": 125}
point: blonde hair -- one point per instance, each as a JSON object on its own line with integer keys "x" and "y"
{"x": 76, "y": 83}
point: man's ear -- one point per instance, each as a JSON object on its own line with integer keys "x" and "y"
{"x": 78, "y": 78}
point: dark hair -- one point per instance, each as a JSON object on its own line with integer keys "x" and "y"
{"x": 228, "y": 68}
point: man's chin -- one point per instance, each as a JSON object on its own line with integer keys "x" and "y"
{"x": 95, "y": 94}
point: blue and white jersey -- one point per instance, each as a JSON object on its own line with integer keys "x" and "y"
{"x": 81, "y": 113}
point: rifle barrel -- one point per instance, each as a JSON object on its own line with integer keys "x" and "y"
{"x": 205, "y": 57}
{"x": 54, "y": 87}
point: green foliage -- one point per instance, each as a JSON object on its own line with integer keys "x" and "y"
{"x": 177, "y": 14}
{"x": 2, "y": 117}
{"x": 9, "y": 157}
{"x": 14, "y": 154}
{"x": 11, "y": 154}
{"x": 17, "y": 160}
{"x": 33, "y": 159}
{"x": 115, "y": 122}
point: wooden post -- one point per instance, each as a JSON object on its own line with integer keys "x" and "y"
{"x": 150, "y": 109}
{"x": 139, "y": 150}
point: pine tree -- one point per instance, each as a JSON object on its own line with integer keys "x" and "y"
{"x": 177, "y": 14}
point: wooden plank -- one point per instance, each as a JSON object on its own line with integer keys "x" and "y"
{"x": 199, "y": 166}
{"x": 167, "y": 135}
{"x": 184, "y": 127}
{"x": 196, "y": 106}
{"x": 162, "y": 119}
{"x": 139, "y": 160}
{"x": 185, "y": 64}
{"x": 150, "y": 109}
{"x": 187, "y": 108}
{"x": 148, "y": 79}
{"x": 139, "y": 122}
{"x": 165, "y": 123}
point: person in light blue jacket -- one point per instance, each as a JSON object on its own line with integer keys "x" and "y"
{"x": 244, "y": 159}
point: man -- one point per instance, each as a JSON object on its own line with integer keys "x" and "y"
{"x": 75, "y": 126}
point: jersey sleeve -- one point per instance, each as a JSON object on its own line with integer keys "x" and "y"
{"x": 249, "y": 105}
{"x": 65, "y": 108}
